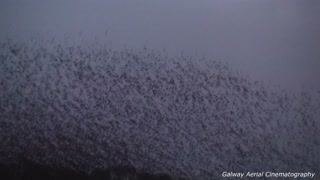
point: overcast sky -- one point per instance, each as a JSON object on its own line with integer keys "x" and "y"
{"x": 273, "y": 40}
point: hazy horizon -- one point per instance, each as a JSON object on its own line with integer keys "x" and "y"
{"x": 275, "y": 41}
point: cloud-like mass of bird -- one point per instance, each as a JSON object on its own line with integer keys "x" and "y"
{"x": 89, "y": 106}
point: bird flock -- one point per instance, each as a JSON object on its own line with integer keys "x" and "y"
{"x": 91, "y": 106}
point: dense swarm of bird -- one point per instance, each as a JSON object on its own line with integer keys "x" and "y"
{"x": 87, "y": 107}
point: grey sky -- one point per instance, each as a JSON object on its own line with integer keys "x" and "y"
{"x": 277, "y": 41}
